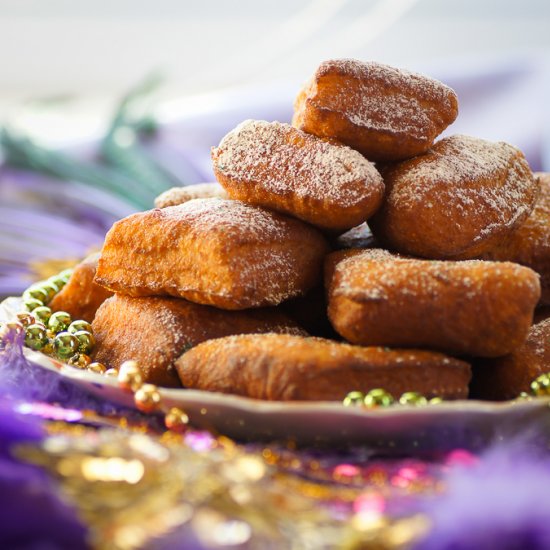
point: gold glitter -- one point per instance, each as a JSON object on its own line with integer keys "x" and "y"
{"x": 405, "y": 531}
{"x": 369, "y": 521}
{"x": 131, "y": 488}
{"x": 112, "y": 469}
{"x": 245, "y": 468}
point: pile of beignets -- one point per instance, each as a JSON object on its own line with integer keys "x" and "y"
{"x": 347, "y": 251}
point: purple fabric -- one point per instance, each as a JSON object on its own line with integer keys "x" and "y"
{"x": 501, "y": 502}
{"x": 19, "y": 380}
{"x": 42, "y": 219}
{"x": 32, "y": 516}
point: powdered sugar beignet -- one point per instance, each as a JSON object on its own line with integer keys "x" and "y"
{"x": 276, "y": 166}
{"x": 457, "y": 201}
{"x": 179, "y": 195}
{"x": 283, "y": 367}
{"x": 506, "y": 377}
{"x": 473, "y": 308}
{"x": 529, "y": 244}
{"x": 387, "y": 114}
{"x": 212, "y": 251}
{"x": 155, "y": 331}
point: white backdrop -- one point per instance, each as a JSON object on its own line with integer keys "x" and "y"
{"x": 97, "y": 48}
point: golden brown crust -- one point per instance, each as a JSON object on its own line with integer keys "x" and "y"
{"x": 81, "y": 297}
{"x": 283, "y": 367}
{"x": 156, "y": 331}
{"x": 179, "y": 195}
{"x": 212, "y": 251}
{"x": 473, "y": 307}
{"x": 276, "y": 166}
{"x": 385, "y": 113}
{"x": 457, "y": 201}
{"x": 506, "y": 377}
{"x": 529, "y": 244}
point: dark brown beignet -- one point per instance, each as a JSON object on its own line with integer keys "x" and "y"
{"x": 506, "y": 377}
{"x": 457, "y": 201}
{"x": 213, "y": 251}
{"x": 276, "y": 166}
{"x": 156, "y": 331}
{"x": 473, "y": 307}
{"x": 290, "y": 368}
{"x": 81, "y": 296}
{"x": 529, "y": 244}
{"x": 387, "y": 114}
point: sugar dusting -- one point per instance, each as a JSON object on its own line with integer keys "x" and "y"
{"x": 391, "y": 100}
{"x": 530, "y": 243}
{"x": 312, "y": 358}
{"x": 286, "y": 160}
{"x": 425, "y": 278}
{"x": 220, "y": 216}
{"x": 284, "y": 344}
{"x": 471, "y": 176}
{"x": 539, "y": 340}
{"x": 179, "y": 195}
{"x": 275, "y": 263}
{"x": 264, "y": 254}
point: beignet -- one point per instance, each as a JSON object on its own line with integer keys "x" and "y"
{"x": 276, "y": 166}
{"x": 179, "y": 195}
{"x": 506, "y": 377}
{"x": 457, "y": 201}
{"x": 156, "y": 331}
{"x": 473, "y": 307}
{"x": 387, "y": 114}
{"x": 81, "y": 296}
{"x": 283, "y": 367}
{"x": 212, "y": 251}
{"x": 529, "y": 244}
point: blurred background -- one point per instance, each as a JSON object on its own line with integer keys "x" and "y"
{"x": 67, "y": 64}
{"x": 94, "y": 51}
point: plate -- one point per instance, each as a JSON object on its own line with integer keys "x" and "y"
{"x": 400, "y": 429}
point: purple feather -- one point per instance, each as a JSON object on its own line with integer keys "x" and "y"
{"x": 42, "y": 218}
{"x": 500, "y": 502}
{"x": 20, "y": 380}
{"x": 32, "y": 515}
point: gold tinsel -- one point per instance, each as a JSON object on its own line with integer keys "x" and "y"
{"x": 131, "y": 488}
